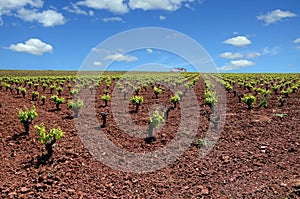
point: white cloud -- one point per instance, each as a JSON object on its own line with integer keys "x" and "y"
{"x": 75, "y": 9}
{"x": 162, "y": 18}
{"x": 274, "y": 16}
{"x": 108, "y": 19}
{"x": 97, "y": 63}
{"x": 242, "y": 62}
{"x": 239, "y": 41}
{"x": 7, "y": 7}
{"x": 123, "y": 6}
{"x": 253, "y": 55}
{"x": 115, "y": 6}
{"x": 149, "y": 50}
{"x": 237, "y": 64}
{"x": 33, "y": 46}
{"x": 266, "y": 51}
{"x": 91, "y": 13}
{"x": 48, "y": 18}
{"x": 121, "y": 57}
{"x": 170, "y": 5}
{"x": 297, "y": 41}
{"x": 272, "y": 51}
{"x": 230, "y": 55}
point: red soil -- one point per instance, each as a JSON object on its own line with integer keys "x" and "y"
{"x": 256, "y": 156}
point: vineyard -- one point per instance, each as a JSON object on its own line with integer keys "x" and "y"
{"x": 45, "y": 117}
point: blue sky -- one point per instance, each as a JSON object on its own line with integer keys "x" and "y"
{"x": 239, "y": 36}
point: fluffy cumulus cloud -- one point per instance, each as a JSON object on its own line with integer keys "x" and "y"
{"x": 297, "y": 41}
{"x": 108, "y": 19}
{"x": 97, "y": 63}
{"x": 122, "y": 6}
{"x": 33, "y": 46}
{"x": 75, "y": 9}
{"x": 8, "y": 7}
{"x": 149, "y": 50}
{"x": 238, "y": 41}
{"x": 115, "y": 6}
{"x": 230, "y": 55}
{"x": 169, "y": 5}
{"x": 121, "y": 57}
{"x": 275, "y": 15}
{"x": 48, "y": 18}
{"x": 237, "y": 64}
{"x": 252, "y": 55}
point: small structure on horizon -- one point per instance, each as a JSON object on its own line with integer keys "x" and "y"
{"x": 178, "y": 70}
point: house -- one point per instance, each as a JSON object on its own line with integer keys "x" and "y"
{"x": 177, "y": 70}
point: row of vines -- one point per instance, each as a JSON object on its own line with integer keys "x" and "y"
{"x": 251, "y": 89}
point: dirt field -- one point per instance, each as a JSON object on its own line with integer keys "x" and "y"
{"x": 256, "y": 156}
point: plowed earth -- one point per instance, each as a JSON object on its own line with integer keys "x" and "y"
{"x": 256, "y": 156}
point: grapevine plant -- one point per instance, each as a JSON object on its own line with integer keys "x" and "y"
{"x": 105, "y": 91}
{"x": 44, "y": 86}
{"x": 48, "y": 139}
{"x": 104, "y": 117}
{"x": 157, "y": 91}
{"x": 275, "y": 89}
{"x": 175, "y": 99}
{"x": 286, "y": 92}
{"x": 155, "y": 122}
{"x": 75, "y": 106}
{"x": 200, "y": 142}
{"x": 35, "y": 95}
{"x": 210, "y": 99}
{"x": 249, "y": 100}
{"x": 227, "y": 86}
{"x": 7, "y": 86}
{"x": 36, "y": 85}
{"x": 23, "y": 91}
{"x": 57, "y": 101}
{"x": 29, "y": 84}
{"x": 73, "y": 92}
{"x": 59, "y": 90}
{"x": 137, "y": 90}
{"x": 69, "y": 86}
{"x": 294, "y": 88}
{"x": 209, "y": 94}
{"x": 43, "y": 98}
{"x": 137, "y": 100}
{"x": 52, "y": 87}
{"x": 26, "y": 117}
{"x": 105, "y": 98}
